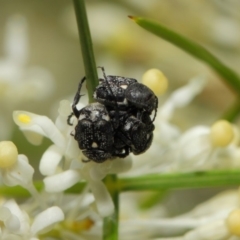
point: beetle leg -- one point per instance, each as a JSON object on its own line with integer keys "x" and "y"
{"x": 76, "y": 100}
{"x": 69, "y": 119}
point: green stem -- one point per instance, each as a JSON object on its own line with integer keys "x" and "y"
{"x": 86, "y": 47}
{"x": 110, "y": 225}
{"x": 196, "y": 50}
{"x": 180, "y": 180}
{"x": 158, "y": 182}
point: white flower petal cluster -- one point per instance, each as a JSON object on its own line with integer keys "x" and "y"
{"x": 205, "y": 148}
{"x": 16, "y": 79}
{"x": 17, "y": 224}
{"x": 218, "y": 218}
{"x": 18, "y": 82}
{"x": 76, "y": 214}
{"x": 198, "y": 149}
{"x": 166, "y": 134}
{"x": 62, "y": 162}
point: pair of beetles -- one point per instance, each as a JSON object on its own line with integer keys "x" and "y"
{"x": 119, "y": 122}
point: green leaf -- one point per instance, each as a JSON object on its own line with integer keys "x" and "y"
{"x": 229, "y": 76}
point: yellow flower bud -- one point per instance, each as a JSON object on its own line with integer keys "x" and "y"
{"x": 155, "y": 80}
{"x": 8, "y": 154}
{"x": 233, "y": 222}
{"x": 221, "y": 133}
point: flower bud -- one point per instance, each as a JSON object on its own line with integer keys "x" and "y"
{"x": 221, "y": 133}
{"x": 233, "y": 222}
{"x": 155, "y": 80}
{"x": 8, "y": 154}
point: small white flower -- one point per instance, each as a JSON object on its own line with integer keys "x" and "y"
{"x": 16, "y": 170}
{"x": 202, "y": 147}
{"x": 14, "y": 167}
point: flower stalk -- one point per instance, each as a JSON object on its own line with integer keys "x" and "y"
{"x": 110, "y": 225}
{"x": 86, "y": 47}
{"x": 156, "y": 182}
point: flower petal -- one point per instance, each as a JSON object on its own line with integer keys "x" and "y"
{"x": 214, "y": 230}
{"x": 72, "y": 148}
{"x": 12, "y": 223}
{"x": 64, "y": 110}
{"x": 50, "y": 160}
{"x": 20, "y": 215}
{"x": 121, "y": 165}
{"x": 182, "y": 96}
{"x": 61, "y": 181}
{"x": 33, "y": 137}
{"x": 44, "y": 221}
{"x": 27, "y": 119}
{"x": 20, "y": 174}
{"x": 10, "y": 220}
{"x": 194, "y": 149}
{"x": 4, "y": 213}
{"x": 96, "y": 171}
{"x": 103, "y": 199}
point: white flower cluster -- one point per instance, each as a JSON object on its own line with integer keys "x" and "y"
{"x": 53, "y": 213}
{"x": 18, "y": 81}
{"x": 216, "y": 219}
{"x": 199, "y": 148}
{"x": 62, "y": 167}
{"x": 46, "y": 212}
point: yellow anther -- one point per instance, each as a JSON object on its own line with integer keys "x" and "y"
{"x": 221, "y": 133}
{"x": 155, "y": 80}
{"x": 233, "y": 222}
{"x": 23, "y": 118}
{"x": 8, "y": 154}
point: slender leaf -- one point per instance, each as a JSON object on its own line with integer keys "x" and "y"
{"x": 229, "y": 76}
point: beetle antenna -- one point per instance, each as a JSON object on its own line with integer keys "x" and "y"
{"x": 114, "y": 99}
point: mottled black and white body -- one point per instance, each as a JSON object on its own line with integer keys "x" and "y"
{"x": 94, "y": 132}
{"x": 130, "y": 105}
{"x": 127, "y": 93}
{"x": 119, "y": 123}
